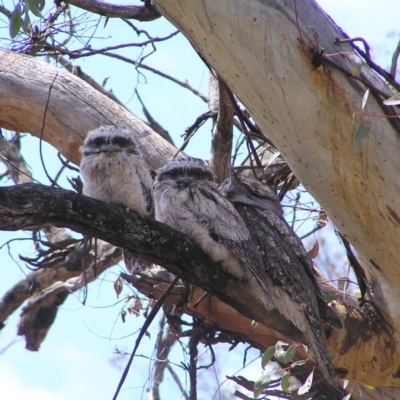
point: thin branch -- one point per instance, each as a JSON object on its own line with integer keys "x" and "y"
{"x": 177, "y": 381}
{"x": 357, "y": 39}
{"x": 371, "y": 64}
{"x": 222, "y": 137}
{"x": 12, "y": 158}
{"x": 160, "y": 73}
{"x": 395, "y": 57}
{"x": 88, "y": 79}
{"x": 142, "y": 332}
{"x": 147, "y": 12}
{"x": 79, "y": 53}
{"x": 153, "y": 123}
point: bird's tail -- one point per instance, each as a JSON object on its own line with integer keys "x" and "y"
{"x": 316, "y": 340}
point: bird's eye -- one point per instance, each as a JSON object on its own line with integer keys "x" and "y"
{"x": 120, "y": 141}
{"x": 199, "y": 173}
{"x": 99, "y": 141}
{"x": 173, "y": 173}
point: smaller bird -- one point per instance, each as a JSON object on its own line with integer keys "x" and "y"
{"x": 114, "y": 171}
{"x": 286, "y": 263}
{"x": 187, "y": 198}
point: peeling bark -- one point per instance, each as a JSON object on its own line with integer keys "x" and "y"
{"x": 264, "y": 51}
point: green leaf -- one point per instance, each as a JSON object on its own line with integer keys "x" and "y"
{"x": 15, "y": 21}
{"x": 285, "y": 383}
{"x": 40, "y": 4}
{"x": 298, "y": 363}
{"x": 361, "y": 133}
{"x": 305, "y": 388}
{"x": 260, "y": 384}
{"x": 269, "y": 353}
{"x": 26, "y": 22}
{"x": 330, "y": 297}
{"x": 369, "y": 387}
{"x": 291, "y": 351}
{"x": 34, "y": 7}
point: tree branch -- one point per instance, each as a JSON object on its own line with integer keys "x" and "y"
{"x": 147, "y": 12}
{"x": 29, "y": 205}
{"x": 289, "y": 97}
{"x": 222, "y": 138}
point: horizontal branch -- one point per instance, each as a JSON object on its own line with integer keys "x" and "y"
{"x": 147, "y": 12}
{"x": 29, "y": 205}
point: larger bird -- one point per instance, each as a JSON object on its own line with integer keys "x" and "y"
{"x": 286, "y": 262}
{"x": 114, "y": 171}
{"x": 187, "y": 198}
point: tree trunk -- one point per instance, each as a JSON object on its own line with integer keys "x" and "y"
{"x": 263, "y": 51}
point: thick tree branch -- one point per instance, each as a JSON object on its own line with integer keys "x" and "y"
{"x": 363, "y": 333}
{"x": 74, "y": 108}
{"x": 265, "y": 51}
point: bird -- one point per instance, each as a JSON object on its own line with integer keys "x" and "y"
{"x": 114, "y": 171}
{"x": 187, "y": 198}
{"x": 286, "y": 263}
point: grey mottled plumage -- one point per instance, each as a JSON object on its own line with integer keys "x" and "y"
{"x": 286, "y": 262}
{"x": 114, "y": 171}
{"x": 187, "y": 198}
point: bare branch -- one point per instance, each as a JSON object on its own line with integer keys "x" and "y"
{"x": 160, "y": 73}
{"x": 88, "y": 79}
{"x": 10, "y": 155}
{"x": 221, "y": 145}
{"x": 153, "y": 123}
{"x": 79, "y": 53}
{"x": 395, "y": 57}
{"x": 147, "y": 12}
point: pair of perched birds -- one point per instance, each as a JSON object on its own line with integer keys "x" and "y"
{"x": 239, "y": 224}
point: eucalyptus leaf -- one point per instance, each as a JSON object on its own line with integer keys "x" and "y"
{"x": 269, "y": 353}
{"x": 365, "y": 98}
{"x": 391, "y": 101}
{"x": 305, "y": 388}
{"x": 298, "y": 363}
{"x": 361, "y": 133}
{"x": 285, "y": 383}
{"x": 260, "y": 384}
{"x": 33, "y": 6}
{"x": 291, "y": 351}
{"x": 15, "y": 21}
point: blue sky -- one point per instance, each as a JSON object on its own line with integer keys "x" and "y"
{"x": 77, "y": 359}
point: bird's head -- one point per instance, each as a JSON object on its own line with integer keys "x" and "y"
{"x": 109, "y": 139}
{"x": 184, "y": 172}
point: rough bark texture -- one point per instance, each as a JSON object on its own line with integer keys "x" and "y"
{"x": 256, "y": 47}
{"x": 33, "y": 94}
{"x": 266, "y": 59}
{"x": 167, "y": 247}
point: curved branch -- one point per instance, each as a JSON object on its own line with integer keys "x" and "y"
{"x": 364, "y": 334}
{"x": 264, "y": 51}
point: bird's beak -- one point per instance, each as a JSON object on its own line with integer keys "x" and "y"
{"x": 183, "y": 180}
